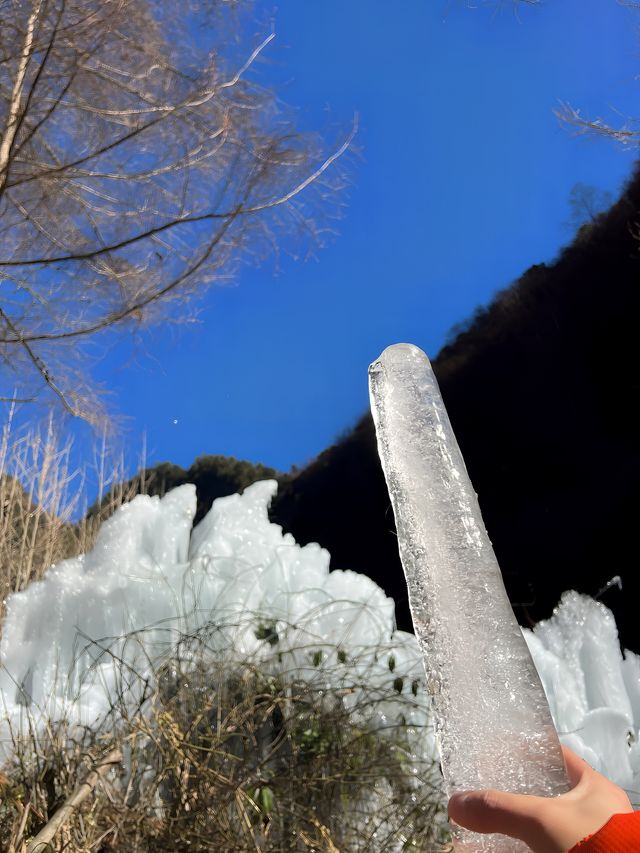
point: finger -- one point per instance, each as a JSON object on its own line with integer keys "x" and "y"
{"x": 495, "y": 811}
{"x": 584, "y": 778}
{"x": 577, "y": 768}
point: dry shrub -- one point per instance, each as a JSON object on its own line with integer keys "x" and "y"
{"x": 43, "y": 502}
{"x": 225, "y": 756}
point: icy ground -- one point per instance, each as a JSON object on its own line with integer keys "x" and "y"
{"x": 151, "y": 580}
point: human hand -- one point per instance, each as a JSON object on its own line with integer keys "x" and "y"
{"x": 546, "y": 824}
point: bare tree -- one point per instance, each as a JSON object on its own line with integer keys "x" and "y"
{"x": 586, "y": 204}
{"x": 138, "y": 164}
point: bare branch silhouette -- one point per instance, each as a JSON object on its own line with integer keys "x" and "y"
{"x": 139, "y": 164}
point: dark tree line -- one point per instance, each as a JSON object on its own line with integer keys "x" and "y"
{"x": 543, "y": 390}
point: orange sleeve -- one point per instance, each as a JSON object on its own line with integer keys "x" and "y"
{"x": 621, "y": 834}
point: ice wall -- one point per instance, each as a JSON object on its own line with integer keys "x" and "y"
{"x": 63, "y": 637}
{"x": 492, "y": 717}
{"x": 90, "y": 633}
{"x": 593, "y": 689}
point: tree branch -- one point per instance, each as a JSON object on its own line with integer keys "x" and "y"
{"x": 37, "y": 362}
{"x": 13, "y": 118}
{"x": 118, "y": 316}
{"x": 120, "y": 127}
{"x": 40, "y": 843}
{"x": 202, "y": 217}
{"x": 38, "y": 75}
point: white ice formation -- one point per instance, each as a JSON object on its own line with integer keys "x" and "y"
{"x": 593, "y": 689}
{"x": 152, "y": 579}
{"x": 72, "y": 642}
{"x": 492, "y": 718}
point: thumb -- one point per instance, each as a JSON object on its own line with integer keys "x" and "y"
{"x": 496, "y": 811}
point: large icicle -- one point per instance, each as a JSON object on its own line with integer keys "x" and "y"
{"x": 493, "y": 720}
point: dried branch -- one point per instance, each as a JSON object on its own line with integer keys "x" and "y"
{"x": 40, "y": 842}
{"x": 14, "y": 111}
{"x": 572, "y": 118}
{"x": 37, "y": 363}
{"x": 134, "y": 238}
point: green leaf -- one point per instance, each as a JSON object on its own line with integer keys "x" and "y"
{"x": 266, "y": 800}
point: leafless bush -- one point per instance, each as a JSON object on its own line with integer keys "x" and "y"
{"x": 43, "y": 502}
{"x": 233, "y": 757}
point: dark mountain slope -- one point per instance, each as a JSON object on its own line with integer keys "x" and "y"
{"x": 542, "y": 389}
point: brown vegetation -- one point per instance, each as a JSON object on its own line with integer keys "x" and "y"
{"x": 43, "y": 515}
{"x": 224, "y": 759}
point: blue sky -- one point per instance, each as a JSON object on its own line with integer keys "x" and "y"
{"x": 462, "y": 183}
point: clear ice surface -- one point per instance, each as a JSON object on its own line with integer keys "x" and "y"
{"x": 492, "y": 718}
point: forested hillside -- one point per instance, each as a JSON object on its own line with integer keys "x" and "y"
{"x": 542, "y": 388}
